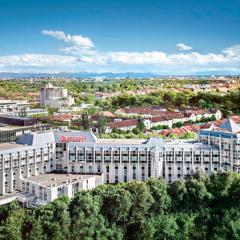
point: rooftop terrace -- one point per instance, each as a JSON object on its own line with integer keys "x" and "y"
{"x": 52, "y": 179}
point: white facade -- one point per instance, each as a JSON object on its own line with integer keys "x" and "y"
{"x": 7, "y": 106}
{"x": 30, "y": 156}
{"x": 26, "y": 166}
{"x": 151, "y": 122}
{"x": 30, "y": 112}
{"x": 55, "y": 97}
{"x": 115, "y": 160}
{"x": 51, "y": 186}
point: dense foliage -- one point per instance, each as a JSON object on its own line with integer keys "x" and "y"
{"x": 226, "y": 102}
{"x": 163, "y": 92}
{"x": 198, "y": 207}
{"x": 131, "y": 135}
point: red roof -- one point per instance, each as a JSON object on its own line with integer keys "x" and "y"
{"x": 33, "y": 94}
{"x": 123, "y": 123}
{"x": 62, "y": 118}
{"x": 180, "y": 131}
{"x": 152, "y": 110}
{"x": 110, "y": 116}
{"x": 165, "y": 132}
{"x": 167, "y": 116}
{"x": 195, "y": 128}
{"x": 236, "y": 119}
{"x": 199, "y": 111}
{"x": 107, "y": 114}
{"x": 191, "y": 128}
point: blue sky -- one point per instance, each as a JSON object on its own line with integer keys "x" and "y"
{"x": 160, "y": 36}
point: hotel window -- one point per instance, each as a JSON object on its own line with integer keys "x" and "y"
{"x": 116, "y": 156}
{"x": 125, "y": 154}
{"x": 90, "y": 157}
{"x": 72, "y": 157}
{"x": 116, "y": 170}
{"x": 45, "y": 195}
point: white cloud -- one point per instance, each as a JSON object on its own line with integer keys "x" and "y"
{"x": 156, "y": 58}
{"x": 77, "y": 51}
{"x": 36, "y": 60}
{"x": 195, "y": 58}
{"x": 79, "y": 54}
{"x": 75, "y": 40}
{"x": 183, "y": 47}
{"x": 153, "y": 57}
{"x": 232, "y": 52}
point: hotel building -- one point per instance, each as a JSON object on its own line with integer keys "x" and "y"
{"x": 80, "y": 160}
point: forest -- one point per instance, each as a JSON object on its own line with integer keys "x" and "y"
{"x": 197, "y": 207}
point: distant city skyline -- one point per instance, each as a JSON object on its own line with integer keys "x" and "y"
{"x": 167, "y": 37}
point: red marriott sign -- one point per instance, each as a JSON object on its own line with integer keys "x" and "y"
{"x": 73, "y": 139}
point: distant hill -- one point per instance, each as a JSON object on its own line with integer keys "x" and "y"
{"x": 111, "y": 74}
{"x": 78, "y": 75}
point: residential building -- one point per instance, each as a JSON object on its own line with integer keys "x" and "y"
{"x": 7, "y": 106}
{"x": 30, "y": 112}
{"x": 12, "y": 127}
{"x": 124, "y": 125}
{"x": 55, "y": 97}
